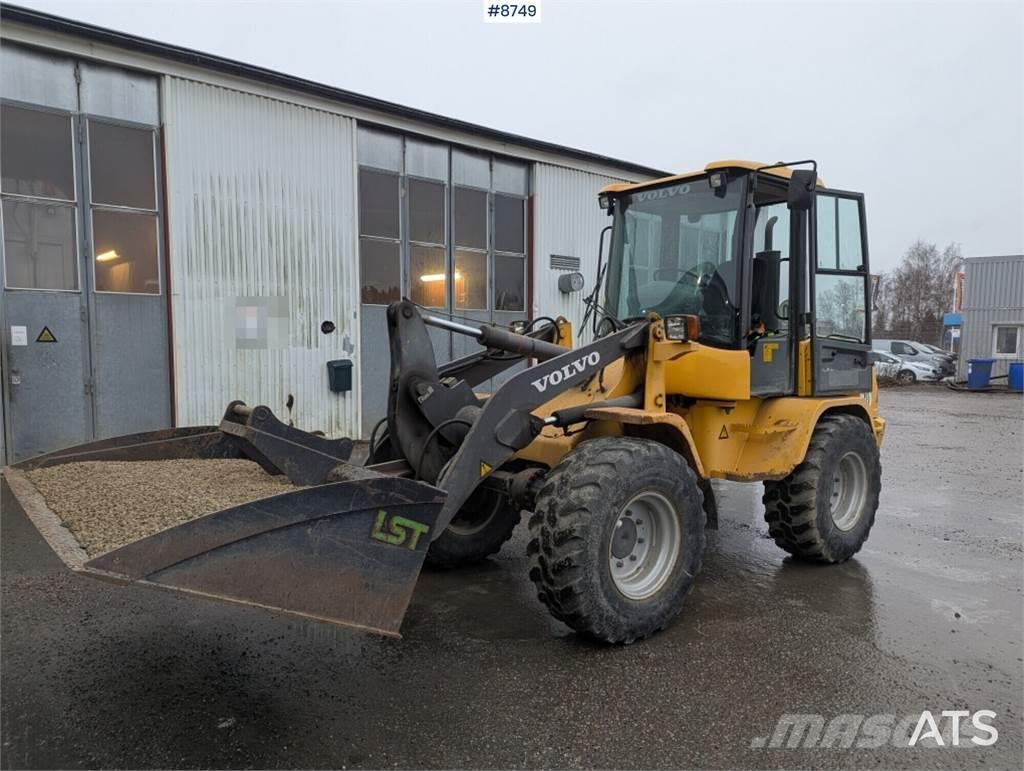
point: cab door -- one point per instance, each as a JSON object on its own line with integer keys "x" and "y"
{"x": 839, "y": 287}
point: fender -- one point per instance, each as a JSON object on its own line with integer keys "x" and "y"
{"x": 666, "y": 427}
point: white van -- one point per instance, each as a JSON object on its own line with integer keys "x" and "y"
{"x": 910, "y": 350}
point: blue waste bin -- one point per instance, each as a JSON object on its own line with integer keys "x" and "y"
{"x": 1016, "y": 376}
{"x": 979, "y": 371}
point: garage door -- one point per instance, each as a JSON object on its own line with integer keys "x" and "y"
{"x": 84, "y": 311}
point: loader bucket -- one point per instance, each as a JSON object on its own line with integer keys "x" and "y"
{"x": 346, "y": 552}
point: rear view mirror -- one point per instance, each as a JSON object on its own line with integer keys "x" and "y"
{"x": 801, "y": 189}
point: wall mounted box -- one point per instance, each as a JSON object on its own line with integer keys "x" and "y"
{"x": 339, "y": 375}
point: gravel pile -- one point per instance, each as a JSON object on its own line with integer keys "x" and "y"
{"x": 109, "y": 504}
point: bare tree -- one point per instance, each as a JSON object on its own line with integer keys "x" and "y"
{"x": 911, "y": 299}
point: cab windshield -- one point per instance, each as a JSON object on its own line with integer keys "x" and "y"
{"x": 674, "y": 250}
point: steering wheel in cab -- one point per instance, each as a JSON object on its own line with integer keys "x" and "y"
{"x": 707, "y": 283}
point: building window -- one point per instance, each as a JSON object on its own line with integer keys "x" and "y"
{"x": 379, "y": 265}
{"x": 470, "y": 233}
{"x": 509, "y": 283}
{"x": 38, "y": 188}
{"x": 379, "y": 231}
{"x": 125, "y": 228}
{"x": 426, "y": 211}
{"x": 509, "y": 253}
{"x": 470, "y": 280}
{"x": 127, "y": 257}
{"x": 427, "y": 275}
{"x": 440, "y": 225}
{"x": 121, "y": 160}
{"x": 428, "y": 272}
{"x": 1006, "y": 342}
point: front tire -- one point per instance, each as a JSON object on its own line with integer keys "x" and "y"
{"x": 479, "y": 530}
{"x": 906, "y": 377}
{"x": 617, "y": 538}
{"x": 824, "y": 510}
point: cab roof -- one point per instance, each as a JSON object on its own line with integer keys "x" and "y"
{"x": 624, "y": 187}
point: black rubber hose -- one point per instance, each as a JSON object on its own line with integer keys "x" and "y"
{"x": 373, "y": 440}
{"x": 426, "y": 443}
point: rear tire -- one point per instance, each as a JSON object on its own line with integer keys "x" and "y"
{"x": 824, "y": 510}
{"x": 617, "y": 538}
{"x": 479, "y": 530}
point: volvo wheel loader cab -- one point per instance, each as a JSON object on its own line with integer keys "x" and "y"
{"x": 730, "y": 340}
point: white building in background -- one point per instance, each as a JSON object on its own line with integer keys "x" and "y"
{"x": 181, "y": 230}
{"x": 991, "y": 313}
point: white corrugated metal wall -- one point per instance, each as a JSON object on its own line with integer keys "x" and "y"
{"x": 566, "y": 222}
{"x": 993, "y": 296}
{"x": 261, "y": 209}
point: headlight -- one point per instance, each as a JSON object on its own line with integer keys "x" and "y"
{"x": 682, "y": 328}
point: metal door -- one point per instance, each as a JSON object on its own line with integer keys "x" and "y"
{"x": 127, "y": 304}
{"x": 80, "y": 360}
{"x": 45, "y": 332}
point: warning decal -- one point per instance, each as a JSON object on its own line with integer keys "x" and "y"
{"x": 46, "y": 336}
{"x": 723, "y": 434}
{"x": 485, "y": 469}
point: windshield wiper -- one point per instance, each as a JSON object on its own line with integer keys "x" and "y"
{"x": 840, "y": 336}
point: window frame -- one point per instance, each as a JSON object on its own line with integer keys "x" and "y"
{"x": 74, "y": 203}
{"x": 839, "y": 195}
{"x": 399, "y": 241}
{"x": 781, "y": 241}
{"x": 996, "y": 326}
{"x": 486, "y": 250}
{"x": 452, "y": 182}
{"x": 496, "y": 253}
{"x": 863, "y": 273}
{"x": 409, "y": 242}
{"x": 91, "y": 206}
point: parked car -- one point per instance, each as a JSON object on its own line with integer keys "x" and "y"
{"x": 910, "y": 350}
{"x": 948, "y": 355}
{"x": 904, "y": 371}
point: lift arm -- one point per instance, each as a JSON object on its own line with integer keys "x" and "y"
{"x": 505, "y": 424}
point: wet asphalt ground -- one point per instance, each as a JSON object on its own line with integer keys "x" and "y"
{"x": 928, "y": 616}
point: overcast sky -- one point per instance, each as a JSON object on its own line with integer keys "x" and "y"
{"x": 917, "y": 104}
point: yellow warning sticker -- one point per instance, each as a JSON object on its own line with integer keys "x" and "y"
{"x": 46, "y": 336}
{"x": 768, "y": 352}
{"x": 485, "y": 469}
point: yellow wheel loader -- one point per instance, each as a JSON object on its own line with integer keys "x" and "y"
{"x": 729, "y": 337}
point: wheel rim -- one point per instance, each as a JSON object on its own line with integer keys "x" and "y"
{"x": 644, "y": 546}
{"x": 849, "y": 491}
{"x": 906, "y": 377}
{"x": 476, "y": 514}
